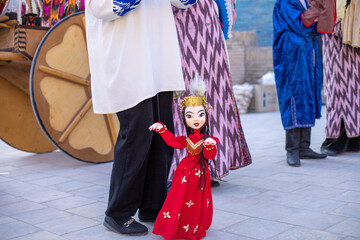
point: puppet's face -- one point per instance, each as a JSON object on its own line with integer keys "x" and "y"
{"x": 195, "y": 117}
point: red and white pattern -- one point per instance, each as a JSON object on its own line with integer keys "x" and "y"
{"x": 203, "y": 51}
{"x": 341, "y": 85}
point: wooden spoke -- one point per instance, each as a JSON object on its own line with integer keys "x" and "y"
{"x": 15, "y": 63}
{"x": 3, "y": 25}
{"x": 64, "y": 75}
{"x": 84, "y": 23}
{"x": 111, "y": 128}
{"x": 10, "y": 56}
{"x": 75, "y": 120}
{"x": 4, "y": 18}
{"x": 13, "y": 22}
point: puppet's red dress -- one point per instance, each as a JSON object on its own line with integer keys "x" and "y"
{"x": 188, "y": 208}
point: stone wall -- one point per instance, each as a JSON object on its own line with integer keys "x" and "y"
{"x": 248, "y": 62}
{"x": 258, "y": 61}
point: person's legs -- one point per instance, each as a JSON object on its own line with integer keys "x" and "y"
{"x": 305, "y": 151}
{"x": 130, "y": 163}
{"x": 331, "y": 147}
{"x": 160, "y": 157}
{"x": 292, "y": 146}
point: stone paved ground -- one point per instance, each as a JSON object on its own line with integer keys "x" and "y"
{"x": 51, "y": 196}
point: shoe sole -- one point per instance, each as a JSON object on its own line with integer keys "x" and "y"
{"x": 147, "y": 220}
{"x": 330, "y": 154}
{"x": 313, "y": 157}
{"x": 294, "y": 165}
{"x": 130, "y": 234}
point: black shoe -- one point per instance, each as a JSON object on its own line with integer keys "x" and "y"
{"x": 215, "y": 183}
{"x": 353, "y": 145}
{"x": 126, "y": 226}
{"x": 292, "y": 158}
{"x": 310, "y": 154}
{"x": 148, "y": 215}
{"x": 328, "y": 152}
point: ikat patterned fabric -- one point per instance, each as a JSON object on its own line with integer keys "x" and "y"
{"x": 203, "y": 52}
{"x": 341, "y": 85}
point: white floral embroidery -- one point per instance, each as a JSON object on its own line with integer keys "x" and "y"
{"x": 166, "y": 215}
{"x": 183, "y": 180}
{"x": 186, "y": 228}
{"x": 189, "y": 204}
{"x": 198, "y": 173}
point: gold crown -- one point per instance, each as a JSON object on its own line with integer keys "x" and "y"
{"x": 193, "y": 101}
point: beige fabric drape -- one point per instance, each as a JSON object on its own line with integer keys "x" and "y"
{"x": 351, "y": 24}
{"x": 340, "y": 9}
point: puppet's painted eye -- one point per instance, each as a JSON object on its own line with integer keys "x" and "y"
{"x": 188, "y": 116}
{"x": 202, "y": 114}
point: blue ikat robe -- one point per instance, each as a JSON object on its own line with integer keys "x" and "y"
{"x": 297, "y": 66}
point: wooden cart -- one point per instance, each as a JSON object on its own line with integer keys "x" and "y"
{"x": 45, "y": 92}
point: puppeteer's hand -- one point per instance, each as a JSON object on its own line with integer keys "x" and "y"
{"x": 156, "y": 127}
{"x": 209, "y": 141}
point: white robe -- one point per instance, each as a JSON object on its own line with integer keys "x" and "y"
{"x": 132, "y": 57}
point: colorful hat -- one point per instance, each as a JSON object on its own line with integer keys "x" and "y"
{"x": 197, "y": 95}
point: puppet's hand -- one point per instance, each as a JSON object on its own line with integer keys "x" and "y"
{"x": 210, "y": 151}
{"x": 209, "y": 141}
{"x": 156, "y": 127}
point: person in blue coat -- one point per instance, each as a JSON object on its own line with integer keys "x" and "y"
{"x": 298, "y": 76}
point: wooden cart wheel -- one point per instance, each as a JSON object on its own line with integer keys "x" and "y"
{"x": 61, "y": 96}
{"x": 18, "y": 125}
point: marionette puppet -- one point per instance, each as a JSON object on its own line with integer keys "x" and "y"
{"x": 188, "y": 208}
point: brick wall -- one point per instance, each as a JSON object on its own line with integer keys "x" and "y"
{"x": 248, "y": 62}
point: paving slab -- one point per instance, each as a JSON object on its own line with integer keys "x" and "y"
{"x": 69, "y": 202}
{"x": 268, "y": 211}
{"x": 16, "y": 229}
{"x": 349, "y": 210}
{"x": 53, "y": 196}
{"x": 312, "y": 219}
{"x": 317, "y": 204}
{"x": 258, "y": 228}
{"x": 42, "y": 235}
{"x": 350, "y": 227}
{"x": 40, "y": 215}
{"x": 61, "y": 226}
{"x": 299, "y": 233}
{"x": 349, "y": 196}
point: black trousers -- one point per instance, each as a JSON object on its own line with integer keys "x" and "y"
{"x": 142, "y": 159}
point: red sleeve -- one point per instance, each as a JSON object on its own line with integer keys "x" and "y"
{"x": 171, "y": 140}
{"x": 210, "y": 151}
